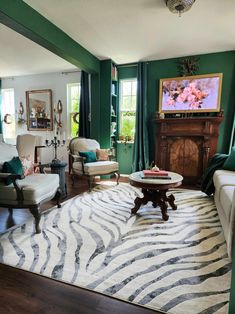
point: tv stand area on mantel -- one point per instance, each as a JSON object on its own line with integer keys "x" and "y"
{"x": 184, "y": 145}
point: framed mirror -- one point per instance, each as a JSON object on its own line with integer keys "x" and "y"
{"x": 39, "y": 110}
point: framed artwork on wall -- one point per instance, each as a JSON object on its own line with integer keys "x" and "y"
{"x": 199, "y": 93}
{"x": 39, "y": 110}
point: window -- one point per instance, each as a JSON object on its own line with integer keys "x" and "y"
{"x": 128, "y": 89}
{"x": 73, "y": 99}
{"x": 8, "y": 114}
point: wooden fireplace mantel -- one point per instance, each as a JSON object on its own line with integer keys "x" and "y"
{"x": 184, "y": 145}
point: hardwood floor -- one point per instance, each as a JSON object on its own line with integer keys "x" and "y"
{"x": 25, "y": 292}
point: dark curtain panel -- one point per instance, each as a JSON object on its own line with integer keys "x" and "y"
{"x": 0, "y": 107}
{"x": 232, "y": 142}
{"x": 141, "y": 146}
{"x": 84, "y": 108}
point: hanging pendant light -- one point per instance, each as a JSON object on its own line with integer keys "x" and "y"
{"x": 179, "y": 6}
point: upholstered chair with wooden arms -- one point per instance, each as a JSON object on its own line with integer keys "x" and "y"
{"x": 25, "y": 191}
{"x": 26, "y": 143}
{"x": 79, "y": 165}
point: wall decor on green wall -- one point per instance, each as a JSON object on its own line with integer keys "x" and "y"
{"x": 188, "y": 66}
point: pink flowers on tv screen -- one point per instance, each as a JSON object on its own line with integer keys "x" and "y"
{"x": 190, "y": 94}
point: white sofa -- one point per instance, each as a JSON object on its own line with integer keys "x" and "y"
{"x": 224, "y": 195}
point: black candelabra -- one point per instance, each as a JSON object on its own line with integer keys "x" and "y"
{"x": 55, "y": 142}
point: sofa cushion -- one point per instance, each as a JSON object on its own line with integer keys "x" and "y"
{"x": 230, "y": 161}
{"x": 90, "y": 156}
{"x": 13, "y": 166}
{"x": 36, "y": 188}
{"x": 28, "y": 165}
{"x": 102, "y": 154}
{"x": 226, "y": 199}
{"x": 96, "y": 168}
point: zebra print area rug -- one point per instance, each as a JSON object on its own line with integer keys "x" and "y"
{"x": 92, "y": 241}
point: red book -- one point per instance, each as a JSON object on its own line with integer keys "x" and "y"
{"x": 155, "y": 173}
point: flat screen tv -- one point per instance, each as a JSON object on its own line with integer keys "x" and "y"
{"x": 199, "y": 93}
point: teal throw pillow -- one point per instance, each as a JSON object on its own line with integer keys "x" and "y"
{"x": 230, "y": 161}
{"x": 90, "y": 156}
{"x": 13, "y": 166}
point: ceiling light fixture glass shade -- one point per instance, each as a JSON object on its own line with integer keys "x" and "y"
{"x": 179, "y": 6}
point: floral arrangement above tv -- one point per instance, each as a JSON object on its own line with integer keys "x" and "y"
{"x": 199, "y": 93}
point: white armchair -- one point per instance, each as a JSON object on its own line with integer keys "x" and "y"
{"x": 26, "y": 191}
{"x": 78, "y": 165}
{"x": 26, "y": 143}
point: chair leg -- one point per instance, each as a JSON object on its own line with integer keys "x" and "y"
{"x": 117, "y": 175}
{"x": 90, "y": 180}
{"x": 37, "y": 216}
{"x": 58, "y": 197}
{"x": 10, "y": 210}
{"x": 73, "y": 179}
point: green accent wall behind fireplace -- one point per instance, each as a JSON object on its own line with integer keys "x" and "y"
{"x": 223, "y": 62}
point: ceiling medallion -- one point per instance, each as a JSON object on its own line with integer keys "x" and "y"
{"x": 179, "y": 6}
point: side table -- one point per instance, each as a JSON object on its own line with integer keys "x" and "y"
{"x": 154, "y": 191}
{"x": 59, "y": 168}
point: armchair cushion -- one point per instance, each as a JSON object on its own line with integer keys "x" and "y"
{"x": 90, "y": 156}
{"x": 102, "y": 154}
{"x": 36, "y": 188}
{"x": 96, "y": 168}
{"x": 13, "y": 166}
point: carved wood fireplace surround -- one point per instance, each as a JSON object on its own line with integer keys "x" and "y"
{"x": 184, "y": 145}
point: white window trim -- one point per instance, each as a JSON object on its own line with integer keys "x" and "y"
{"x": 69, "y": 113}
{"x": 121, "y": 97}
{"x": 11, "y": 140}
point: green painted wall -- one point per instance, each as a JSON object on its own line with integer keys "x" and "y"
{"x": 95, "y": 106}
{"x": 223, "y": 62}
{"x": 124, "y": 157}
{"x": 127, "y": 71}
{"x": 105, "y": 103}
{"x": 210, "y": 63}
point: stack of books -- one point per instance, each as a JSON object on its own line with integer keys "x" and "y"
{"x": 160, "y": 174}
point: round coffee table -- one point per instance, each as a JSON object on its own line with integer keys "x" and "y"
{"x": 154, "y": 191}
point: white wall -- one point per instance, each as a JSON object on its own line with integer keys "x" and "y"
{"x": 57, "y": 83}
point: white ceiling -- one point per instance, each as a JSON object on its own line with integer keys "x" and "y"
{"x": 21, "y": 56}
{"x": 132, "y": 30}
{"x": 123, "y": 30}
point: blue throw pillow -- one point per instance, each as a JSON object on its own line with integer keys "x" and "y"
{"x": 90, "y": 156}
{"x": 13, "y": 166}
{"x": 230, "y": 161}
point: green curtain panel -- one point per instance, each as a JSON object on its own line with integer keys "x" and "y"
{"x": 141, "y": 145}
{"x": 84, "y": 107}
{"x": 0, "y": 106}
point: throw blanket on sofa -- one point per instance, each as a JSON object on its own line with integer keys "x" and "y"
{"x": 215, "y": 163}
